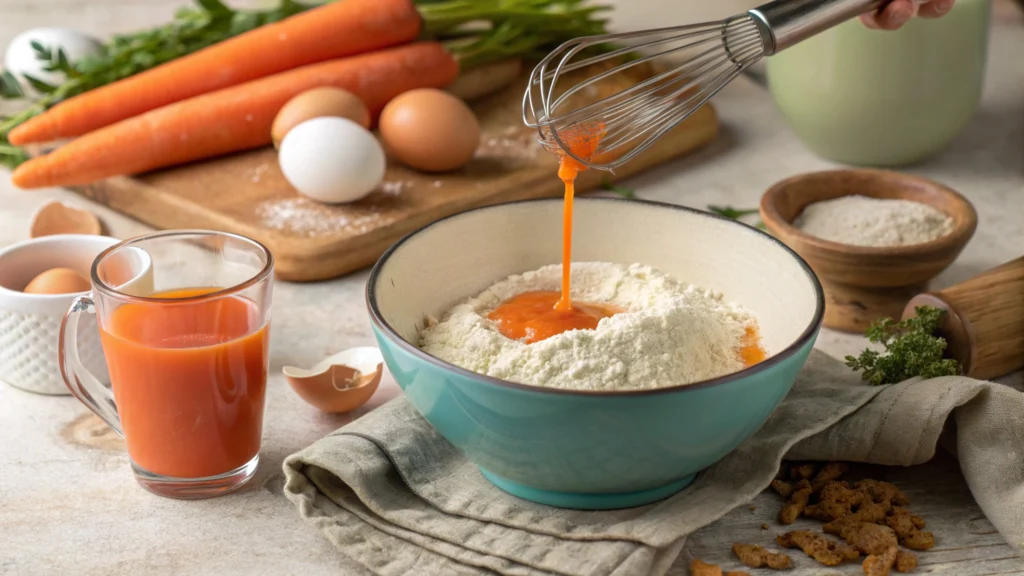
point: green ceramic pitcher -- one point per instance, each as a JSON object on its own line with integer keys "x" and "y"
{"x": 880, "y": 98}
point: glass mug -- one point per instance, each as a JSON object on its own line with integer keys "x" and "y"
{"x": 184, "y": 320}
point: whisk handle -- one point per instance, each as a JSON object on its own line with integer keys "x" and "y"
{"x": 783, "y": 23}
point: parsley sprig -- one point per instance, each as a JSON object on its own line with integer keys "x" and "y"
{"x": 911, "y": 349}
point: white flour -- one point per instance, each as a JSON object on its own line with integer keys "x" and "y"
{"x": 310, "y": 219}
{"x": 671, "y": 333}
{"x": 863, "y": 221}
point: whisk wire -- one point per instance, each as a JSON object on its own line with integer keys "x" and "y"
{"x": 614, "y": 72}
{"x": 630, "y": 119}
{"x": 677, "y": 112}
{"x": 591, "y": 41}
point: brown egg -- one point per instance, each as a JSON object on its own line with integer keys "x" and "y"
{"x": 58, "y": 281}
{"x": 316, "y": 103}
{"x": 59, "y": 218}
{"x": 429, "y": 130}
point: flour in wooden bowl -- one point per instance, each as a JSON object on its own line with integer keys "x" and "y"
{"x": 863, "y": 221}
{"x": 670, "y": 334}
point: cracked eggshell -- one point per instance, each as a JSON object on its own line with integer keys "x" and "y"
{"x": 59, "y": 218}
{"x": 341, "y": 382}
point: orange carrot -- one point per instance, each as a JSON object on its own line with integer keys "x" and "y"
{"x": 233, "y": 119}
{"x": 342, "y": 28}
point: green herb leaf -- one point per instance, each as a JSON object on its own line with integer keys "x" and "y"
{"x": 483, "y": 31}
{"x": 39, "y": 84}
{"x": 911, "y": 349}
{"x": 62, "y": 61}
{"x": 11, "y": 156}
{"x": 735, "y": 214}
{"x": 41, "y": 52}
{"x": 215, "y": 7}
{"x": 609, "y": 186}
{"x": 63, "y": 65}
{"x": 243, "y": 22}
{"x": 9, "y": 86}
{"x": 730, "y": 212}
{"x": 143, "y": 60}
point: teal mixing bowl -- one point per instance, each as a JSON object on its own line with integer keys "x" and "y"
{"x": 586, "y": 449}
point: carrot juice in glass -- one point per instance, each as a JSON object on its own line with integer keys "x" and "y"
{"x": 184, "y": 320}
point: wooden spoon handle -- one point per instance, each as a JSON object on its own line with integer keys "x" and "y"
{"x": 985, "y": 324}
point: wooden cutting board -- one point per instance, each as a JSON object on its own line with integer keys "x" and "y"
{"x": 247, "y": 194}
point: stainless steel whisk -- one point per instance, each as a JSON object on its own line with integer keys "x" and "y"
{"x": 710, "y": 55}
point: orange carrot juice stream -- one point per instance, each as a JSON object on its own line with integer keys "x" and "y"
{"x": 535, "y": 316}
{"x": 189, "y": 380}
{"x": 582, "y": 141}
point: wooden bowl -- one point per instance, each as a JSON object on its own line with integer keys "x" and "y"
{"x": 864, "y": 283}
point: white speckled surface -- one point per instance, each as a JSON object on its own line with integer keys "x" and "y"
{"x": 68, "y": 503}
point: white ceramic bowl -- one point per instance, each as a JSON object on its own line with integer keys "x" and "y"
{"x": 30, "y": 323}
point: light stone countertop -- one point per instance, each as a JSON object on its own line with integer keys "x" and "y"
{"x": 69, "y": 505}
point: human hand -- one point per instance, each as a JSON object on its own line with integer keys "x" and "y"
{"x": 898, "y": 12}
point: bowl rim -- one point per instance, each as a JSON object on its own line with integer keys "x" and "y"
{"x": 809, "y": 332}
{"x": 959, "y": 236}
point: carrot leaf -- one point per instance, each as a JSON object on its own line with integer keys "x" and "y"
{"x": 483, "y": 31}
{"x": 11, "y": 156}
{"x": 39, "y": 84}
{"x": 9, "y": 86}
{"x": 243, "y": 21}
{"x": 215, "y": 7}
{"x": 54, "y": 60}
{"x": 62, "y": 64}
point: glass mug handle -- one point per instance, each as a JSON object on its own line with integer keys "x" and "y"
{"x": 79, "y": 381}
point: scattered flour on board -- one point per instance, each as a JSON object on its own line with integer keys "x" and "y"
{"x": 671, "y": 334}
{"x": 862, "y": 221}
{"x": 304, "y": 217}
{"x": 396, "y": 187}
{"x": 256, "y": 174}
{"x": 512, "y": 143}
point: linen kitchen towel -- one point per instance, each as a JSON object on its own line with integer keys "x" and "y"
{"x": 397, "y": 499}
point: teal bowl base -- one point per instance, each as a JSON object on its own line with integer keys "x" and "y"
{"x": 583, "y": 501}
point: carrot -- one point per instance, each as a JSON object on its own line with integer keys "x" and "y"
{"x": 338, "y": 29}
{"x": 232, "y": 119}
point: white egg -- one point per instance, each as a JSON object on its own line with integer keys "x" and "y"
{"x": 332, "y": 160}
{"x": 21, "y": 59}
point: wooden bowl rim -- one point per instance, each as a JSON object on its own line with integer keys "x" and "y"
{"x": 960, "y": 235}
